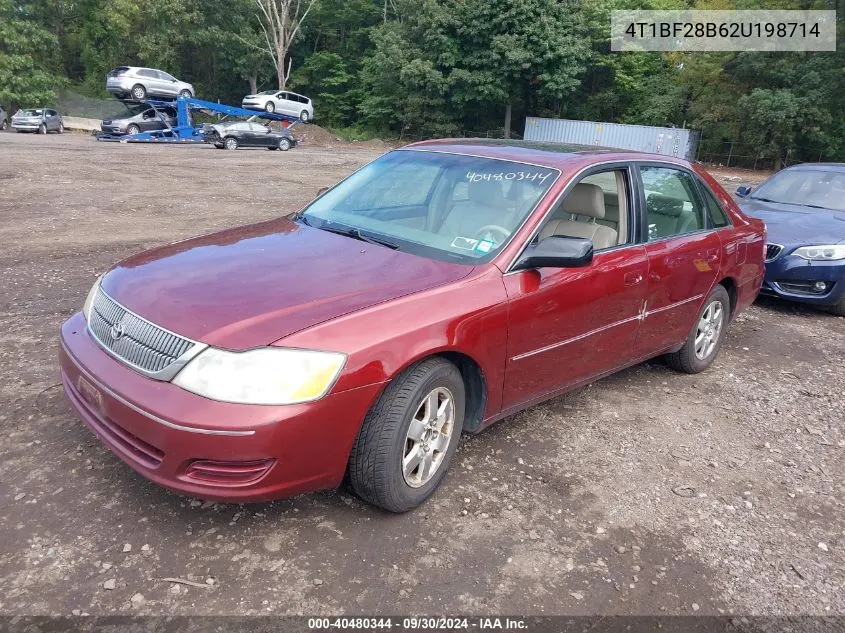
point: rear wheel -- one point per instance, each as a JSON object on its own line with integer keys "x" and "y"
{"x": 270, "y": 106}
{"x": 304, "y": 116}
{"x": 705, "y": 340}
{"x": 409, "y": 437}
{"x": 133, "y": 129}
{"x": 230, "y": 143}
{"x": 138, "y": 92}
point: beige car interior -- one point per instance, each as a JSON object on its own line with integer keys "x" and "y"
{"x": 667, "y": 216}
{"x": 591, "y": 210}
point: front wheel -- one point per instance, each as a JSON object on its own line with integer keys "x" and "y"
{"x": 3, "y": 125}
{"x": 838, "y": 308}
{"x": 42, "y": 129}
{"x": 270, "y": 106}
{"x": 133, "y": 129}
{"x": 230, "y": 143}
{"x": 186, "y": 93}
{"x": 409, "y": 437}
{"x": 708, "y": 333}
{"x": 61, "y": 128}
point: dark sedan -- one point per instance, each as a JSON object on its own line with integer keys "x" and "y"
{"x": 140, "y": 118}
{"x": 235, "y": 134}
{"x": 804, "y": 211}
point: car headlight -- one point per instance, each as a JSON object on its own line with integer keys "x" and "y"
{"x": 822, "y": 253}
{"x": 89, "y": 300}
{"x": 268, "y": 375}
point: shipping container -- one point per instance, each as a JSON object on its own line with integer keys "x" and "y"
{"x": 668, "y": 141}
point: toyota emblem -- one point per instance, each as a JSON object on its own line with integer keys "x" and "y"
{"x": 117, "y": 330}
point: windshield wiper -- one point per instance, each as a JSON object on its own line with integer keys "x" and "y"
{"x": 355, "y": 233}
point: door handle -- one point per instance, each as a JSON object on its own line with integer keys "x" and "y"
{"x": 632, "y": 279}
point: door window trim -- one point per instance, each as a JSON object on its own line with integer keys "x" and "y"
{"x": 589, "y": 170}
{"x": 643, "y": 212}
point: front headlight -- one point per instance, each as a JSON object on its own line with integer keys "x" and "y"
{"x": 821, "y": 253}
{"x": 269, "y": 375}
{"x": 89, "y": 300}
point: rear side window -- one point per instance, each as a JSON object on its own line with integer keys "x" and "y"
{"x": 672, "y": 204}
{"x": 717, "y": 214}
{"x": 148, "y": 73}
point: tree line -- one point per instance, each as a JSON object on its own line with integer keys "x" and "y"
{"x": 425, "y": 68}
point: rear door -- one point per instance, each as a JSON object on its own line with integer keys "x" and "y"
{"x": 684, "y": 255}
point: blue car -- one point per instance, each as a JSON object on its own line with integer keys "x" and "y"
{"x": 804, "y": 210}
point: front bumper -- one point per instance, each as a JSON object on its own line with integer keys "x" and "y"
{"x": 164, "y": 432}
{"x": 791, "y": 277}
{"x": 113, "y": 129}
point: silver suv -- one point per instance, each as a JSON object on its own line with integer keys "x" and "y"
{"x": 132, "y": 82}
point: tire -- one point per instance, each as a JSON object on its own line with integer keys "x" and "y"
{"x": 269, "y": 107}
{"x": 695, "y": 357}
{"x": 376, "y": 471}
{"x": 42, "y": 129}
{"x": 838, "y": 308}
{"x": 61, "y": 128}
{"x": 284, "y": 144}
{"x": 230, "y": 143}
{"x": 3, "y": 125}
{"x": 218, "y": 146}
{"x": 186, "y": 93}
{"x": 138, "y": 92}
{"x": 133, "y": 129}
{"x": 304, "y": 116}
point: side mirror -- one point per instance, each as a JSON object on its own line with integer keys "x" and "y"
{"x": 742, "y": 191}
{"x": 557, "y": 252}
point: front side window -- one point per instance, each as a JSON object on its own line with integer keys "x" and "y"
{"x": 596, "y": 208}
{"x": 672, "y": 206}
{"x": 446, "y": 206}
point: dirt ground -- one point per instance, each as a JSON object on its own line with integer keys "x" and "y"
{"x": 649, "y": 492}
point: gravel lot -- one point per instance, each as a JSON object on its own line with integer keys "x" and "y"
{"x": 649, "y": 492}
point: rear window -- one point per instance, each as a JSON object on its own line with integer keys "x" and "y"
{"x": 117, "y": 72}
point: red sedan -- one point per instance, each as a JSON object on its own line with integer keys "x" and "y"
{"x": 438, "y": 289}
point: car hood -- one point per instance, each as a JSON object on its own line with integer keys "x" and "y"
{"x": 793, "y": 224}
{"x": 253, "y": 285}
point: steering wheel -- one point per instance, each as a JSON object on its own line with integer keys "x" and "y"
{"x": 493, "y": 228}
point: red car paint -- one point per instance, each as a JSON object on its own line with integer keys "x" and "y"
{"x": 530, "y": 334}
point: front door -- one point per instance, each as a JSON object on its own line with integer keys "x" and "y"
{"x": 684, "y": 256}
{"x": 567, "y": 325}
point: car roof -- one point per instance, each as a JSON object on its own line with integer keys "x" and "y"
{"x": 559, "y": 155}
{"x": 838, "y": 167}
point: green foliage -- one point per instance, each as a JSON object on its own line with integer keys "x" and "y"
{"x": 421, "y": 68}
{"x": 26, "y": 58}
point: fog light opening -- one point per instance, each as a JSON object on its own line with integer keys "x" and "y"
{"x": 228, "y": 473}
{"x": 820, "y": 287}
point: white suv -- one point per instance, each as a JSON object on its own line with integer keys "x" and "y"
{"x": 281, "y": 101}
{"x": 131, "y": 82}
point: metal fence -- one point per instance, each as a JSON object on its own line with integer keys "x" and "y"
{"x": 752, "y": 156}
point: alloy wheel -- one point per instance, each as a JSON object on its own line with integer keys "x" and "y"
{"x": 709, "y": 329}
{"x": 428, "y": 438}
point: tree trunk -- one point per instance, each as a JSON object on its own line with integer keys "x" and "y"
{"x": 280, "y": 72}
{"x": 508, "y": 120}
{"x": 253, "y": 84}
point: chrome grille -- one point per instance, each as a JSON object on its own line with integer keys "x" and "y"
{"x": 772, "y": 251}
{"x": 137, "y": 342}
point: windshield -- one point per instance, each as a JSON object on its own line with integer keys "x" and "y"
{"x": 806, "y": 187}
{"x": 446, "y": 206}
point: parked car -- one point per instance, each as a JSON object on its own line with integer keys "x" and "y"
{"x": 140, "y": 118}
{"x": 804, "y": 211}
{"x": 235, "y": 134}
{"x": 131, "y": 82}
{"x": 281, "y": 101}
{"x": 442, "y": 287}
{"x": 4, "y": 119}
{"x": 41, "y": 120}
